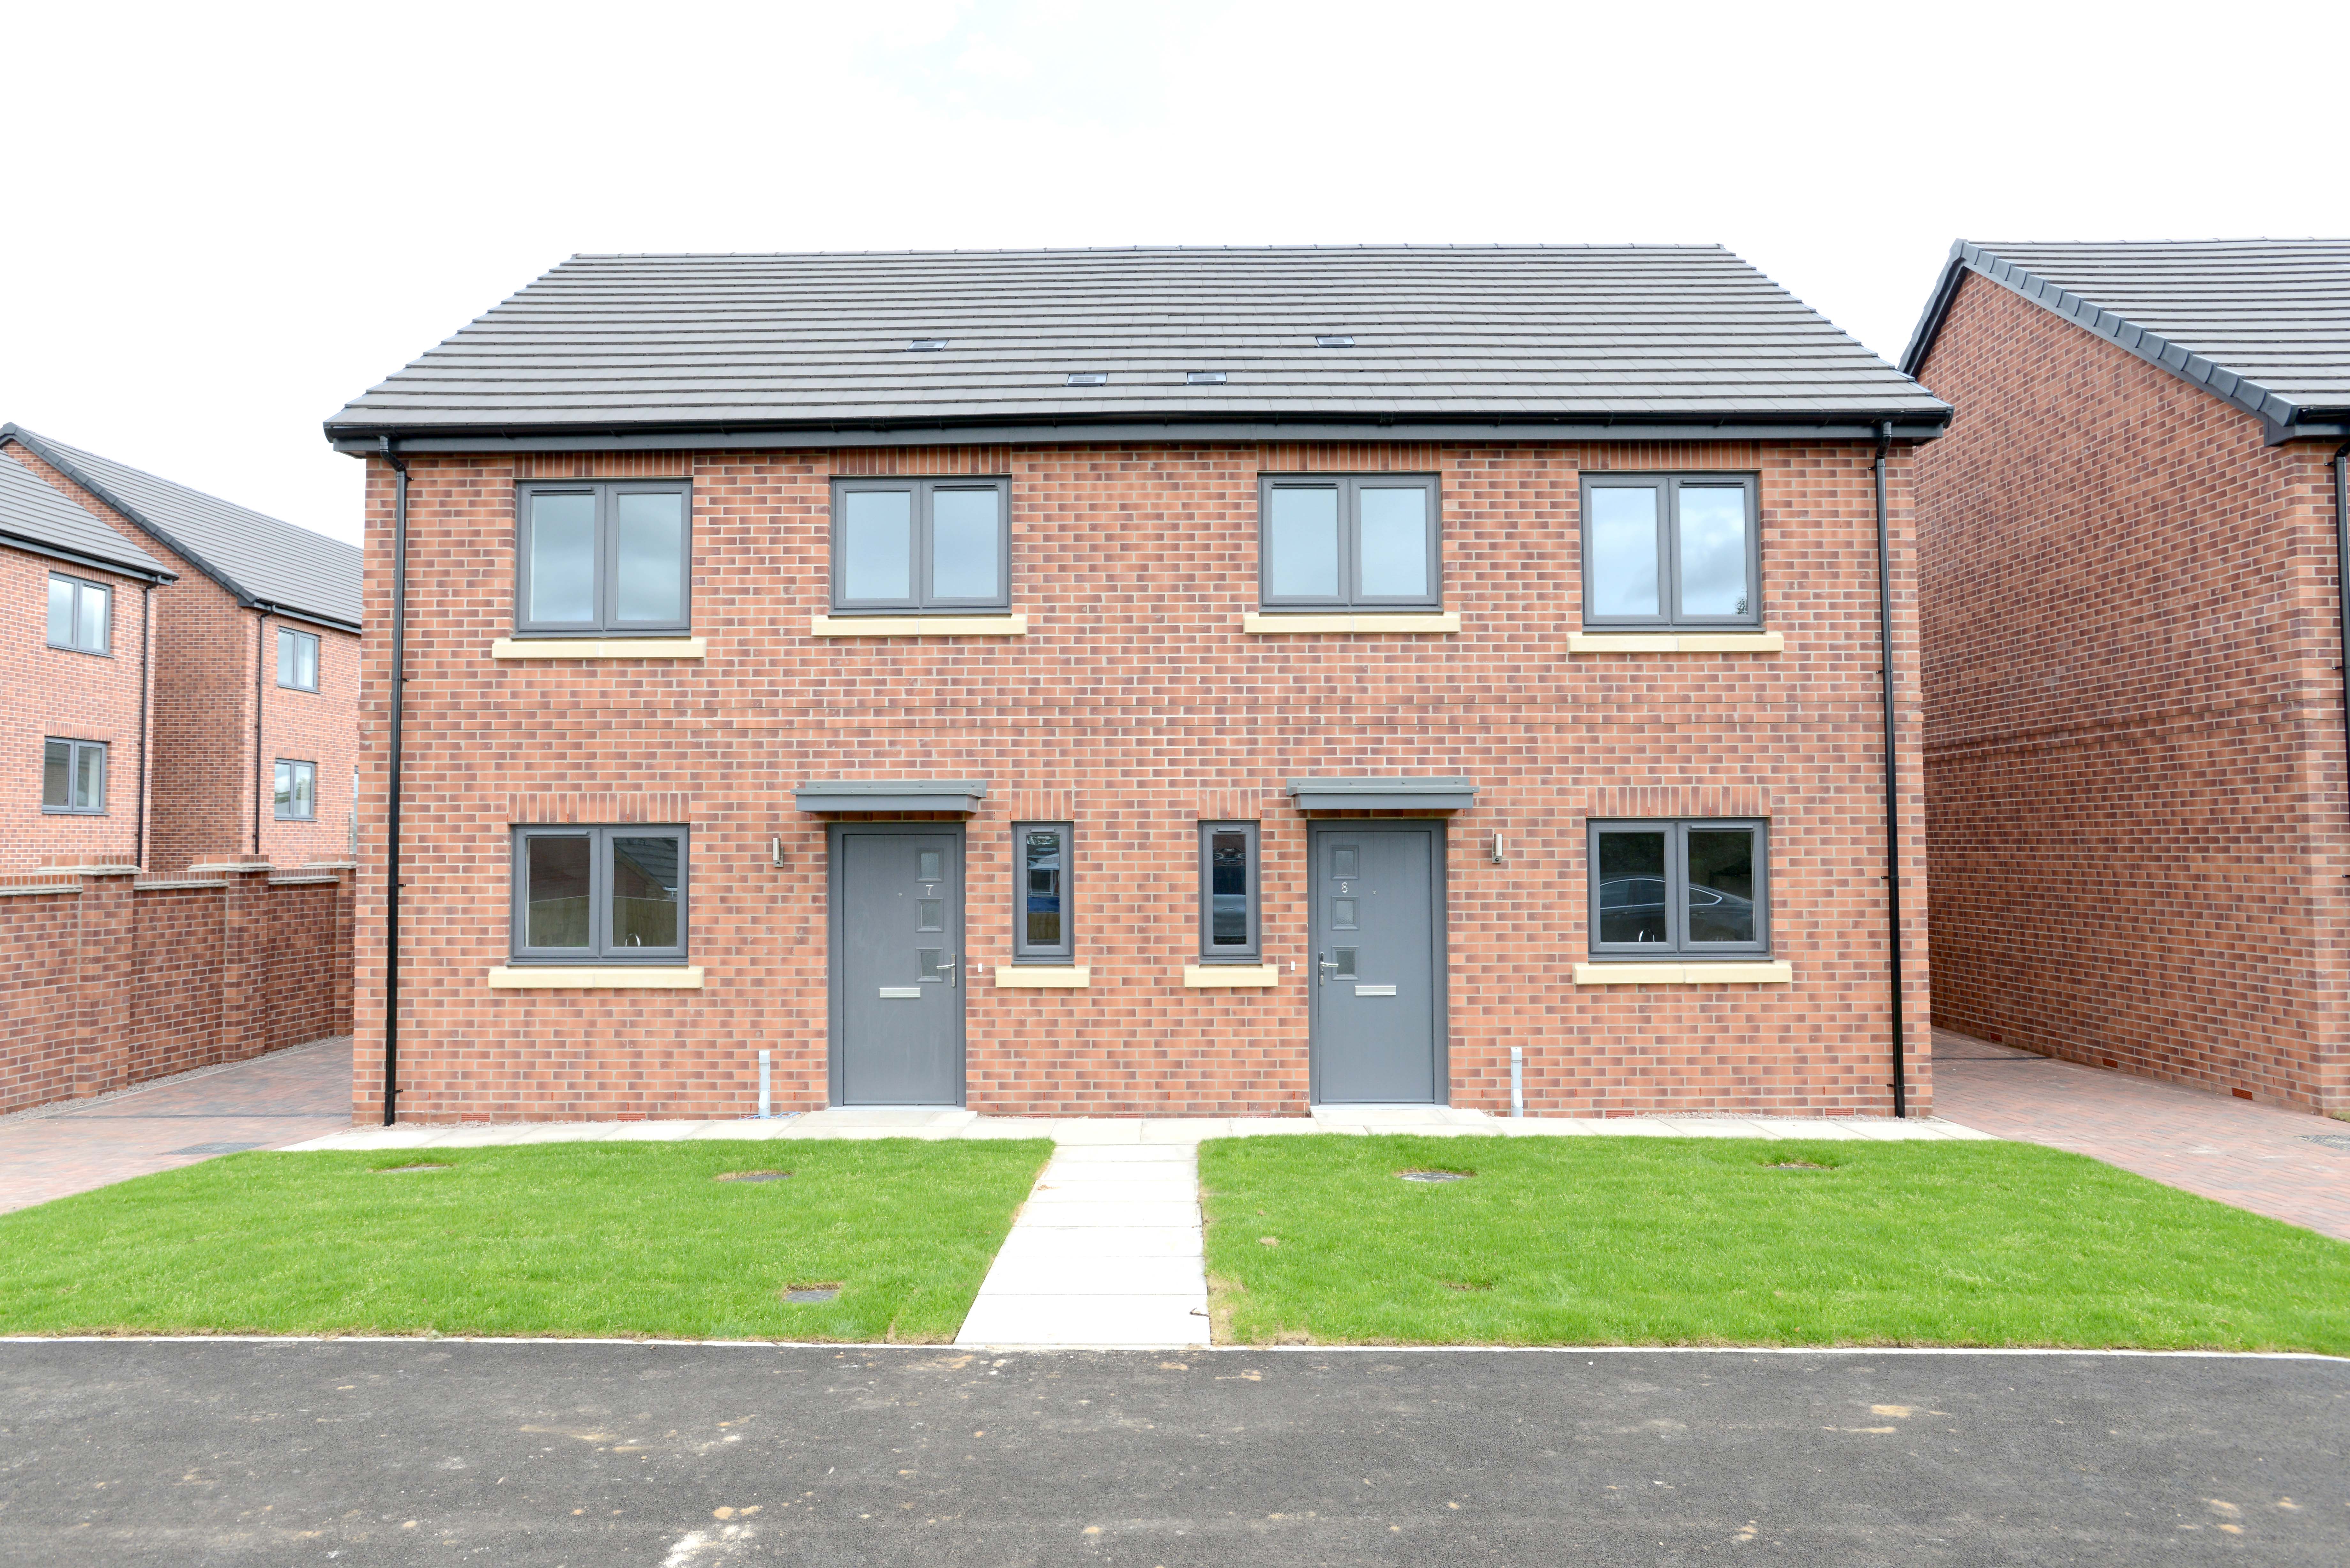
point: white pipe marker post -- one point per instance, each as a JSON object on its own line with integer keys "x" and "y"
{"x": 1517, "y": 1080}
{"x": 767, "y": 1102}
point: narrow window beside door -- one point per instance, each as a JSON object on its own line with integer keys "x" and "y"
{"x": 73, "y": 775}
{"x": 298, "y": 660}
{"x": 297, "y": 792}
{"x": 1229, "y": 923}
{"x": 1345, "y": 542}
{"x": 612, "y": 557}
{"x": 604, "y": 895}
{"x": 901, "y": 544}
{"x": 1043, "y": 915}
{"x": 81, "y": 615}
{"x": 1693, "y": 887}
{"x": 1669, "y": 550}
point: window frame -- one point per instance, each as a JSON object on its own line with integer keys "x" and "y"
{"x": 317, "y": 650}
{"x": 924, "y": 492}
{"x": 1254, "y": 951}
{"x": 1677, "y": 945}
{"x": 73, "y": 770}
{"x": 607, "y": 622}
{"x": 1024, "y": 950}
{"x": 80, "y": 586}
{"x": 1350, "y": 595}
{"x": 601, "y": 951}
{"x": 280, "y": 798}
{"x": 1668, "y": 537}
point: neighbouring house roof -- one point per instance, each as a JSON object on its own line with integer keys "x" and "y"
{"x": 2263, "y": 324}
{"x": 266, "y": 564}
{"x": 34, "y": 516}
{"x": 733, "y": 350}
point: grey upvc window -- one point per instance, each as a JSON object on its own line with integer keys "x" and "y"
{"x": 1336, "y": 541}
{"x": 298, "y": 791}
{"x": 612, "y": 556}
{"x": 73, "y": 776}
{"x": 298, "y": 660}
{"x": 901, "y": 544}
{"x": 1671, "y": 550}
{"x": 1230, "y": 928}
{"x": 602, "y": 895}
{"x": 1043, "y": 916}
{"x": 1689, "y": 889}
{"x": 81, "y": 615}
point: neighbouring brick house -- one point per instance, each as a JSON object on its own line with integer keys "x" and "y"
{"x": 1172, "y": 682}
{"x": 2130, "y": 559}
{"x": 253, "y": 662}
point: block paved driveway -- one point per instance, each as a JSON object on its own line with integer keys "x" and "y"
{"x": 267, "y": 1103}
{"x": 2260, "y": 1158}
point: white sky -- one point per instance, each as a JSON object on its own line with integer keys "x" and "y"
{"x": 227, "y": 220}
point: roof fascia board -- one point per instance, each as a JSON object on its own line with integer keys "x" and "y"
{"x": 2144, "y": 342}
{"x": 56, "y": 459}
{"x": 31, "y": 546}
{"x": 1908, "y": 425}
{"x": 2333, "y": 424}
{"x": 311, "y": 618}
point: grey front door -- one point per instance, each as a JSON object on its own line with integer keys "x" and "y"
{"x": 1378, "y": 1006}
{"x": 897, "y": 964}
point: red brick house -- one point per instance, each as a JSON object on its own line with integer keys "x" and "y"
{"x": 1144, "y": 681}
{"x": 249, "y": 671}
{"x": 2130, "y": 551}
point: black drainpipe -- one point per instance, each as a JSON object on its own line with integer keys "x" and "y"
{"x": 391, "y": 816}
{"x": 2341, "y": 556}
{"x": 146, "y": 658}
{"x": 260, "y": 634}
{"x": 1892, "y": 774}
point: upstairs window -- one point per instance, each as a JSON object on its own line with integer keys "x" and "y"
{"x": 600, "y": 894}
{"x": 1041, "y": 925}
{"x": 297, "y": 792}
{"x": 81, "y": 615}
{"x": 901, "y": 545}
{"x": 1692, "y": 888}
{"x": 298, "y": 660}
{"x": 73, "y": 775}
{"x": 1670, "y": 551}
{"x": 1348, "y": 543}
{"x": 612, "y": 557}
{"x": 1229, "y": 923}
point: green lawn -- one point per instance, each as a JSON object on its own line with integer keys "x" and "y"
{"x": 546, "y": 1239}
{"x": 1638, "y": 1241}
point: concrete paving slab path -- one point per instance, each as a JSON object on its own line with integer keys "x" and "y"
{"x": 2293, "y": 1165}
{"x": 290, "y": 1096}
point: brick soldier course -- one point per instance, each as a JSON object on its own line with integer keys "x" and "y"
{"x": 2133, "y": 658}
{"x": 1142, "y": 699}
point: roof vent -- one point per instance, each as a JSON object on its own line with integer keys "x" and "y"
{"x": 1205, "y": 377}
{"x": 1334, "y": 342}
{"x": 926, "y": 344}
{"x": 1088, "y": 379}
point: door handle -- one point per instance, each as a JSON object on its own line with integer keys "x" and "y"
{"x": 1322, "y": 969}
{"x": 947, "y": 966}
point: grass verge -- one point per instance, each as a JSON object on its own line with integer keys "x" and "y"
{"x": 546, "y": 1239}
{"x": 1624, "y": 1240}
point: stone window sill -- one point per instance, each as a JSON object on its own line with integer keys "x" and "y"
{"x": 1675, "y": 642}
{"x": 600, "y": 647}
{"x": 1210, "y": 976}
{"x": 616, "y": 977}
{"x": 1014, "y": 625}
{"x": 1045, "y": 977}
{"x": 1442, "y": 623}
{"x": 1729, "y": 971}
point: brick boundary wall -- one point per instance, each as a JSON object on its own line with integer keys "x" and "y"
{"x": 112, "y": 981}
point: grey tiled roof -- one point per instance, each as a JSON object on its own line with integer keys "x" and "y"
{"x": 2264, "y": 324}
{"x": 1445, "y": 334}
{"x": 32, "y": 512}
{"x": 261, "y": 560}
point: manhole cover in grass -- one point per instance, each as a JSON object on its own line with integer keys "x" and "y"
{"x": 196, "y": 1148}
{"x": 2338, "y": 1142}
{"x": 1433, "y": 1175}
{"x": 407, "y": 1169}
{"x": 806, "y": 1295}
{"x": 1800, "y": 1165}
{"x": 753, "y": 1175}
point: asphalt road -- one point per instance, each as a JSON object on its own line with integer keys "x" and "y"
{"x": 445, "y": 1451}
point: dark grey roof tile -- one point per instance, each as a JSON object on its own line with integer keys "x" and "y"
{"x": 33, "y": 511}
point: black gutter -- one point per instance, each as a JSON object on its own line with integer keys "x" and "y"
{"x": 32, "y": 546}
{"x": 146, "y": 658}
{"x": 391, "y": 816}
{"x": 1892, "y": 777}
